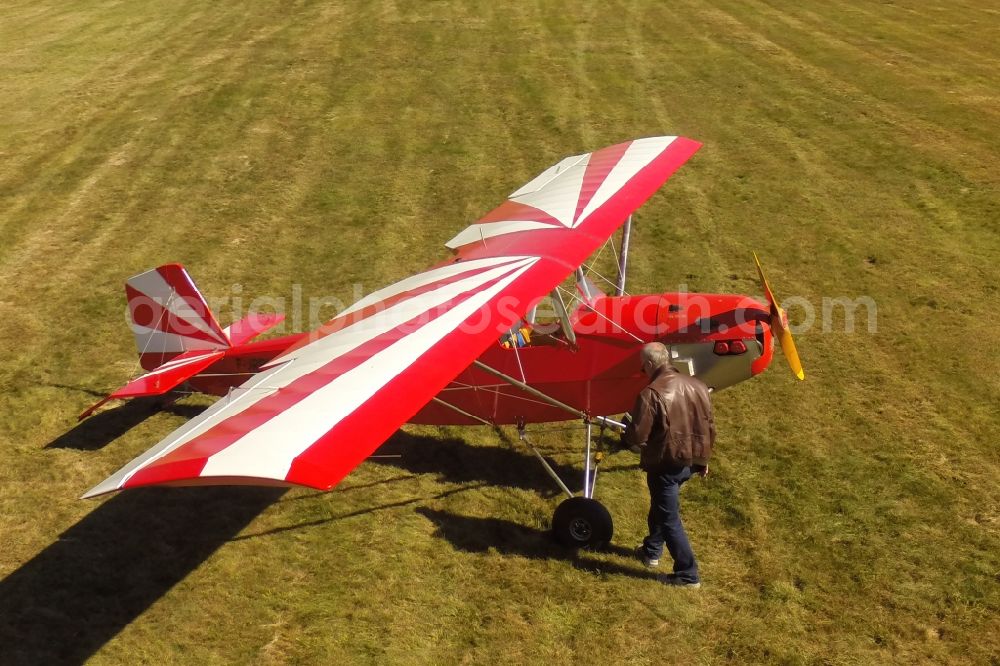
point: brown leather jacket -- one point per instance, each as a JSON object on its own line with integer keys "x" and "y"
{"x": 672, "y": 422}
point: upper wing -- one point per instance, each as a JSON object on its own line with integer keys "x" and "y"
{"x": 322, "y": 407}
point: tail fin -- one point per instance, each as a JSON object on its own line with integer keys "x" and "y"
{"x": 169, "y": 316}
{"x": 176, "y": 332}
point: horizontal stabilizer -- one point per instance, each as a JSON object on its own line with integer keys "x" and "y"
{"x": 164, "y": 378}
{"x": 251, "y": 326}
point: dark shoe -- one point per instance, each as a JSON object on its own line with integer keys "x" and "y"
{"x": 648, "y": 561}
{"x": 671, "y": 580}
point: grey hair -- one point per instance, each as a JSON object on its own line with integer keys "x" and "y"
{"x": 657, "y": 354}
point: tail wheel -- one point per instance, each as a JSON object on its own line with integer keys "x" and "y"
{"x": 582, "y": 522}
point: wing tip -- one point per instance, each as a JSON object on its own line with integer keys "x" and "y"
{"x": 103, "y": 488}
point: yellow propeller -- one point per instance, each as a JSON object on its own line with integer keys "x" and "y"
{"x": 779, "y": 326}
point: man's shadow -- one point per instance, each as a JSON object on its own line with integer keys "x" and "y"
{"x": 105, "y": 571}
{"x": 480, "y": 535}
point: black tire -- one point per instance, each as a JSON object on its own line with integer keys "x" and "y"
{"x": 581, "y": 522}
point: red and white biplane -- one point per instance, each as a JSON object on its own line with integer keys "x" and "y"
{"x": 459, "y": 344}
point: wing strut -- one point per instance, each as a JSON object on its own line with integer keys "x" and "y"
{"x": 611, "y": 423}
{"x": 623, "y": 256}
{"x": 567, "y": 325}
{"x": 524, "y": 438}
{"x": 463, "y": 412}
{"x": 545, "y": 463}
{"x": 581, "y": 281}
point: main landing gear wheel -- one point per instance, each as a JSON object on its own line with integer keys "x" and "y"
{"x": 582, "y": 522}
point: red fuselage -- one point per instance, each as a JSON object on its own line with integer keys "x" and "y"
{"x": 598, "y": 375}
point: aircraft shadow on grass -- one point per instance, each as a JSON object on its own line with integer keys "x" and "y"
{"x": 455, "y": 460}
{"x": 449, "y": 460}
{"x": 105, "y": 571}
{"x": 102, "y": 573}
{"x": 481, "y": 535}
{"x": 99, "y": 430}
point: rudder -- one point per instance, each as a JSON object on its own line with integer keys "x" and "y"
{"x": 169, "y": 316}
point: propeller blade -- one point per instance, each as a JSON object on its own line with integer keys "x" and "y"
{"x": 788, "y": 346}
{"x": 779, "y": 326}
{"x": 763, "y": 280}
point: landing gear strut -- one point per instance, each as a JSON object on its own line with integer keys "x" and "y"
{"x": 579, "y": 521}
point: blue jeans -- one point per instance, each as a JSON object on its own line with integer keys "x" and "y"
{"x": 665, "y": 522}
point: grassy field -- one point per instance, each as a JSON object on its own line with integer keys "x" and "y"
{"x": 313, "y": 146}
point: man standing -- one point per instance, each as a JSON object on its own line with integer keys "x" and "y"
{"x": 673, "y": 428}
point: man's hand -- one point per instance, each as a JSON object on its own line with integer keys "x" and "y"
{"x": 700, "y": 470}
{"x": 622, "y": 443}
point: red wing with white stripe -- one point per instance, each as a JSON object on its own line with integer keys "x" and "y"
{"x": 325, "y": 405}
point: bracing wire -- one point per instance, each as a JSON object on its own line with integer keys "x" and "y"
{"x": 164, "y": 309}
{"x": 576, "y": 298}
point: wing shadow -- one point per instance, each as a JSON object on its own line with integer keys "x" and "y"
{"x": 456, "y": 461}
{"x": 481, "y": 535}
{"x": 101, "y": 429}
{"x": 102, "y": 573}
{"x": 352, "y": 514}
